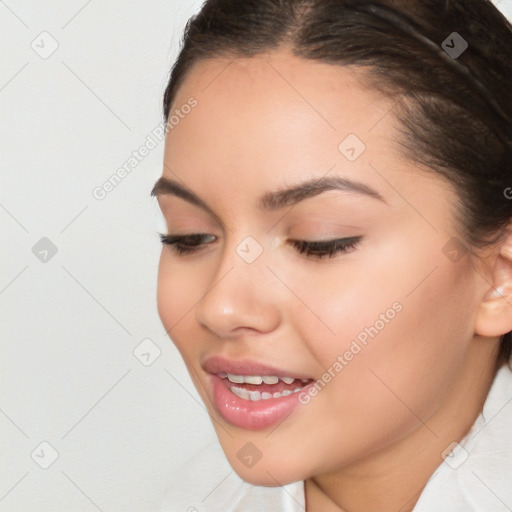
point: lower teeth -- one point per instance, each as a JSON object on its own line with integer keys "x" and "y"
{"x": 256, "y": 395}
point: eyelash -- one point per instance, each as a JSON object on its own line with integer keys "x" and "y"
{"x": 187, "y": 244}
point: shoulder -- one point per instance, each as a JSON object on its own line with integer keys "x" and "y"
{"x": 207, "y": 483}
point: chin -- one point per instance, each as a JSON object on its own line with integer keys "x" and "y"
{"x": 264, "y": 476}
{"x": 267, "y": 472}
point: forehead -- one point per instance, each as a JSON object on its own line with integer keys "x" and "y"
{"x": 275, "y": 111}
{"x": 283, "y": 84}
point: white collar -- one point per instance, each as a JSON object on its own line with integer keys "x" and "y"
{"x": 478, "y": 475}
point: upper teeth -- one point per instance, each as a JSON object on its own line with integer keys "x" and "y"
{"x": 257, "y": 379}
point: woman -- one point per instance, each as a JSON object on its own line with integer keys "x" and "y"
{"x": 337, "y": 267}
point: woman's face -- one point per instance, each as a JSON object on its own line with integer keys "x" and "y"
{"x": 378, "y": 333}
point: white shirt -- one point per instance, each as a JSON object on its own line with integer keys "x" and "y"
{"x": 477, "y": 477}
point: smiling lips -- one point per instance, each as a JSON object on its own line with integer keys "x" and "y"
{"x": 251, "y": 395}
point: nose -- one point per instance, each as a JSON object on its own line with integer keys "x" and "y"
{"x": 241, "y": 297}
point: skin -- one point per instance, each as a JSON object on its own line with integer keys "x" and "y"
{"x": 374, "y": 435}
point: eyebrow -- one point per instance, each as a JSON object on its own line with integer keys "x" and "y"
{"x": 272, "y": 201}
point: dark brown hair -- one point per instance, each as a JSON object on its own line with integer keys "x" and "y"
{"x": 455, "y": 111}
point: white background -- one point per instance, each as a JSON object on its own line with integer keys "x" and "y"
{"x": 69, "y": 325}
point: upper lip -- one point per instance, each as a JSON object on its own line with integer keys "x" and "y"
{"x": 217, "y": 364}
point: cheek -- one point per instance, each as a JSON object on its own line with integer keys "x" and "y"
{"x": 401, "y": 335}
{"x": 176, "y": 297}
{"x": 404, "y": 304}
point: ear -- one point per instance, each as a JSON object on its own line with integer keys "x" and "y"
{"x": 494, "y": 316}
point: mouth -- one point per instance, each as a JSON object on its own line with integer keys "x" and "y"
{"x": 262, "y": 387}
{"x": 253, "y": 396}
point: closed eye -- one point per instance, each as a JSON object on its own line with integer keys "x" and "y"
{"x": 184, "y": 244}
{"x": 328, "y": 248}
{"x": 191, "y": 243}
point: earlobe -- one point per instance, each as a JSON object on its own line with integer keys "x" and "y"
{"x": 494, "y": 316}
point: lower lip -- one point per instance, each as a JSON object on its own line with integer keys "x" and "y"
{"x": 249, "y": 414}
